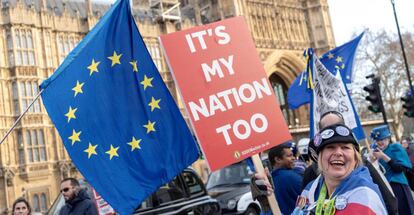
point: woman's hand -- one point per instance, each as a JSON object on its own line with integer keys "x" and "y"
{"x": 381, "y": 155}
{"x": 266, "y": 182}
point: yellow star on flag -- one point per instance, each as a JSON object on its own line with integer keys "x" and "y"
{"x": 75, "y": 136}
{"x": 146, "y": 82}
{"x": 342, "y": 66}
{"x": 338, "y": 59}
{"x": 115, "y": 59}
{"x": 91, "y": 150}
{"x": 154, "y": 104}
{"x": 112, "y": 152}
{"x": 93, "y": 67}
{"x": 78, "y": 88}
{"x": 150, "y": 126}
{"x": 134, "y": 144}
{"x": 330, "y": 55}
{"x": 134, "y": 65}
{"x": 71, "y": 113}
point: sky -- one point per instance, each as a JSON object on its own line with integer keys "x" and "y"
{"x": 353, "y": 16}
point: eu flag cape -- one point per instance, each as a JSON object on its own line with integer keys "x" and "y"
{"x": 340, "y": 58}
{"x": 117, "y": 119}
{"x": 356, "y": 194}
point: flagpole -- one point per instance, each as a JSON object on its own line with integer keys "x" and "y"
{"x": 274, "y": 206}
{"x": 407, "y": 68}
{"x": 20, "y": 117}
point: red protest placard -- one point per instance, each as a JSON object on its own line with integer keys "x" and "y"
{"x": 227, "y": 95}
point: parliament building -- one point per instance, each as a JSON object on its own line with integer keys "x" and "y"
{"x": 37, "y": 35}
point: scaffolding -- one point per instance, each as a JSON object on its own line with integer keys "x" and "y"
{"x": 166, "y": 10}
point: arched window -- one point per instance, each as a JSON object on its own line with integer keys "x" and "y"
{"x": 43, "y": 203}
{"x": 35, "y": 203}
{"x": 280, "y": 89}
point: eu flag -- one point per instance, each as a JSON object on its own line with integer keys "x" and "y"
{"x": 116, "y": 118}
{"x": 339, "y": 59}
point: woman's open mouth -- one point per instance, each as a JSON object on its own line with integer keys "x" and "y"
{"x": 337, "y": 163}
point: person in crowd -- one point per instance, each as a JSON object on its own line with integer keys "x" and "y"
{"x": 334, "y": 117}
{"x": 77, "y": 200}
{"x": 344, "y": 185}
{"x": 405, "y": 141}
{"x": 21, "y": 207}
{"x": 410, "y": 173}
{"x": 410, "y": 152}
{"x": 408, "y": 145}
{"x": 299, "y": 164}
{"x": 327, "y": 118}
{"x": 286, "y": 181}
{"x": 311, "y": 172}
{"x": 395, "y": 160}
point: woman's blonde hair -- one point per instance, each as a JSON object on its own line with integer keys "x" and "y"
{"x": 357, "y": 157}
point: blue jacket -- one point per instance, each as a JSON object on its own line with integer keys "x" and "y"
{"x": 80, "y": 205}
{"x": 288, "y": 185}
{"x": 398, "y": 154}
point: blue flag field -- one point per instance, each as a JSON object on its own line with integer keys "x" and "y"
{"x": 117, "y": 119}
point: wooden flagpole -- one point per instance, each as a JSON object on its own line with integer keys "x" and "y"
{"x": 258, "y": 165}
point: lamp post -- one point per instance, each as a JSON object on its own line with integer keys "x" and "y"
{"x": 402, "y": 48}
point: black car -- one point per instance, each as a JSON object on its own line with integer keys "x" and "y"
{"x": 231, "y": 187}
{"x": 185, "y": 194}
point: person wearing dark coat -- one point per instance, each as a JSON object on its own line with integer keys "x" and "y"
{"x": 77, "y": 200}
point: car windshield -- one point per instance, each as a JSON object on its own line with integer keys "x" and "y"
{"x": 238, "y": 173}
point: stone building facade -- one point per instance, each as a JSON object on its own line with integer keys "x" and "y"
{"x": 36, "y": 35}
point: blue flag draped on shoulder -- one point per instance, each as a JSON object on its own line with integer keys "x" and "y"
{"x": 340, "y": 58}
{"x": 331, "y": 94}
{"x": 117, "y": 119}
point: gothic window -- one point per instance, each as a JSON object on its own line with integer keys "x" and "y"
{"x": 155, "y": 52}
{"x": 280, "y": 89}
{"x": 43, "y": 203}
{"x": 61, "y": 50}
{"x": 35, "y": 146}
{"x": 3, "y": 98}
{"x": 36, "y": 203}
{"x": 39, "y": 203}
{"x": 71, "y": 43}
{"x": 27, "y": 91}
{"x": 18, "y": 46}
{"x": 21, "y": 147}
{"x": 24, "y": 47}
{"x": 15, "y": 92}
{"x": 35, "y": 91}
{"x": 48, "y": 49}
{"x": 30, "y": 47}
{"x": 10, "y": 49}
{"x": 65, "y": 45}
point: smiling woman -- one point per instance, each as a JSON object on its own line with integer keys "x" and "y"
{"x": 344, "y": 185}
